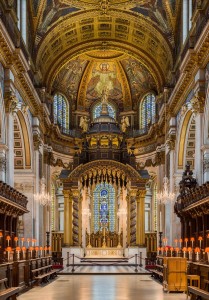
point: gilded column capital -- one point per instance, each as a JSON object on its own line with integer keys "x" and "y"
{"x": 11, "y": 102}
{"x": 197, "y": 103}
{"x": 141, "y": 194}
{"x": 133, "y": 192}
{"x": 75, "y": 193}
{"x": 66, "y": 193}
{"x": 36, "y": 141}
{"x": 171, "y": 142}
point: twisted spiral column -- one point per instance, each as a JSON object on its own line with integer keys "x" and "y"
{"x": 76, "y": 218}
{"x": 133, "y": 218}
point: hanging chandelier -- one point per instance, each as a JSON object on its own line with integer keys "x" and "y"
{"x": 43, "y": 198}
{"x": 165, "y": 196}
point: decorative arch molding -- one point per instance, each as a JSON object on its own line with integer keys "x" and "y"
{"x": 102, "y": 168}
{"x": 183, "y": 138}
{"x": 26, "y": 147}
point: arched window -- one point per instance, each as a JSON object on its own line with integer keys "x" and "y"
{"x": 104, "y": 207}
{"x": 22, "y": 18}
{"x": 147, "y": 111}
{"x": 61, "y": 112}
{"x": 98, "y": 108}
{"x": 186, "y": 18}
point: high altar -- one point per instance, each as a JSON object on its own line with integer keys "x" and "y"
{"x": 104, "y": 194}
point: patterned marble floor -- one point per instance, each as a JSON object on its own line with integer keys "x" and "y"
{"x": 101, "y": 287}
{"x": 111, "y": 269}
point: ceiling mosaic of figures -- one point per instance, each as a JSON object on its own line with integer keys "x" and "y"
{"x": 79, "y": 43}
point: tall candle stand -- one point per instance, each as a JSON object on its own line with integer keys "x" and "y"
{"x": 160, "y": 238}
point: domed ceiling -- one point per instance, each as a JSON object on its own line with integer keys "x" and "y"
{"x": 74, "y": 39}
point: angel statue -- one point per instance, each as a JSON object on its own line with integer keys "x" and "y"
{"x": 105, "y": 93}
{"x": 84, "y": 123}
{"x": 124, "y": 123}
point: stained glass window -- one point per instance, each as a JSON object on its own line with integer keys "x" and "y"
{"x": 61, "y": 111}
{"x": 104, "y": 207}
{"x": 98, "y": 108}
{"x": 147, "y": 111}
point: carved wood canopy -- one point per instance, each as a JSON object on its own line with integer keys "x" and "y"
{"x": 10, "y": 208}
{"x": 12, "y": 202}
{"x": 104, "y": 171}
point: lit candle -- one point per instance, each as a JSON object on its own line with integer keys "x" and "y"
{"x": 31, "y": 252}
{"x": 1, "y": 235}
{"x": 23, "y": 252}
{"x": 18, "y": 252}
{"x": 180, "y": 241}
{"x": 176, "y": 242}
{"x": 197, "y": 252}
{"x": 190, "y": 253}
{"x": 184, "y": 251}
{"x": 33, "y": 242}
{"x": 165, "y": 241}
{"x": 28, "y": 241}
{"x": 200, "y": 240}
{"x": 166, "y": 251}
{"x": 177, "y": 251}
{"x": 41, "y": 250}
{"x": 192, "y": 240}
{"x": 15, "y": 240}
{"x": 22, "y": 241}
{"x": 158, "y": 250}
{"x": 8, "y": 238}
{"x": 171, "y": 251}
{"x": 36, "y": 248}
{"x": 186, "y": 241}
{"x": 207, "y": 251}
{"x": 8, "y": 250}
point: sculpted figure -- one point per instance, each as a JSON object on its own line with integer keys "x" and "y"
{"x": 84, "y": 123}
{"x": 124, "y": 123}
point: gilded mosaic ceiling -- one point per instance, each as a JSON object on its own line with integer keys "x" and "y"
{"x": 143, "y": 31}
{"x": 85, "y": 77}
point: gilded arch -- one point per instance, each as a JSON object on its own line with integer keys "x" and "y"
{"x": 182, "y": 139}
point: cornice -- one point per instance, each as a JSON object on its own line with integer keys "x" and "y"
{"x": 194, "y": 59}
{"x": 14, "y": 59}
